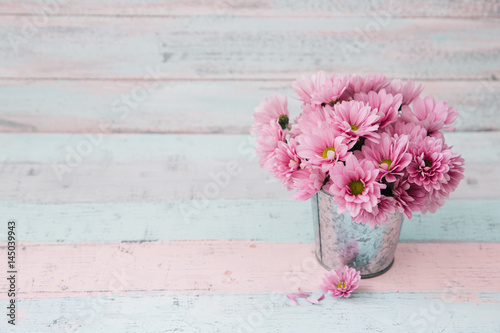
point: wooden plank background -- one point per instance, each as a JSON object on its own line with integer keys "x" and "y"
{"x": 157, "y": 96}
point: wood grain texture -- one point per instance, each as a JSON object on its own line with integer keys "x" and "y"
{"x": 219, "y": 106}
{"x": 222, "y": 266}
{"x": 443, "y": 8}
{"x": 46, "y": 148}
{"x": 155, "y": 168}
{"x": 129, "y": 239}
{"x": 249, "y": 48}
{"x": 258, "y": 220}
{"x": 446, "y": 311}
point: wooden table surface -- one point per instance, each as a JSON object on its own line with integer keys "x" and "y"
{"x": 119, "y": 117}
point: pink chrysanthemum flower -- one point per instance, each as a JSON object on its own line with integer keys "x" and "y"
{"x": 385, "y": 205}
{"x": 456, "y": 172}
{"x": 364, "y": 84}
{"x": 390, "y": 155}
{"x": 408, "y": 90}
{"x": 312, "y": 117}
{"x": 354, "y": 186}
{"x": 434, "y": 201}
{"x": 415, "y": 132}
{"x": 306, "y": 87}
{"x": 285, "y": 162}
{"x": 322, "y": 148}
{"x": 308, "y": 181}
{"x": 342, "y": 282}
{"x": 321, "y": 89}
{"x": 436, "y": 198}
{"x": 374, "y": 144}
{"x": 431, "y": 115}
{"x": 273, "y": 108}
{"x": 408, "y": 197}
{"x": 430, "y": 164}
{"x": 386, "y": 104}
{"x": 355, "y": 119}
{"x": 267, "y": 141}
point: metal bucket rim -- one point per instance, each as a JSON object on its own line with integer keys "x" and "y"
{"x": 396, "y": 212}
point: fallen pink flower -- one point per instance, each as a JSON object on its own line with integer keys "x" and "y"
{"x": 341, "y": 282}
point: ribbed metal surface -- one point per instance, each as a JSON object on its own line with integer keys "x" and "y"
{"x": 340, "y": 241}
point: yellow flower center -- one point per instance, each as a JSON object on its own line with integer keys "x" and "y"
{"x": 325, "y": 152}
{"x": 341, "y": 285}
{"x": 387, "y": 161}
{"x": 356, "y": 187}
{"x": 428, "y": 163}
{"x": 354, "y": 127}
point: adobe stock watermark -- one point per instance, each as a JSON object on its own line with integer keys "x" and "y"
{"x": 362, "y": 38}
{"x": 120, "y": 108}
{"x": 428, "y": 318}
{"x": 92, "y": 311}
{"x": 32, "y": 24}
{"x": 292, "y": 279}
{"x": 483, "y": 93}
{"x": 219, "y": 180}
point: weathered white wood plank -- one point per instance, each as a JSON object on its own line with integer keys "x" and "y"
{"x": 248, "y": 47}
{"x": 260, "y": 312}
{"x": 219, "y": 106}
{"x": 443, "y": 8}
{"x": 259, "y": 220}
{"x": 154, "y": 167}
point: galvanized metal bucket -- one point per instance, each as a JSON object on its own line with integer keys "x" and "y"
{"x": 340, "y": 241}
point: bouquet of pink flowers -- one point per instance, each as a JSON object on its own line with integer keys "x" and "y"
{"x": 373, "y": 144}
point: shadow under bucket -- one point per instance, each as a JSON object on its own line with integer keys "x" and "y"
{"x": 339, "y": 241}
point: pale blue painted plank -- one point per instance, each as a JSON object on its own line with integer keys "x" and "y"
{"x": 260, "y": 220}
{"x": 122, "y": 148}
{"x": 265, "y": 312}
{"x": 157, "y": 167}
{"x": 475, "y": 147}
{"x": 64, "y": 106}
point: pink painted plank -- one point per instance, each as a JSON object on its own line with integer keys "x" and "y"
{"x": 322, "y": 8}
{"x": 220, "y": 266}
{"x": 82, "y": 106}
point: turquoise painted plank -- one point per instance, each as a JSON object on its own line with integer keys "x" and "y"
{"x": 263, "y": 220}
{"x": 475, "y": 147}
{"x": 157, "y": 168}
{"x": 260, "y": 220}
{"x": 213, "y": 47}
{"x": 123, "y": 148}
{"x": 64, "y": 106}
{"x": 266, "y": 312}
